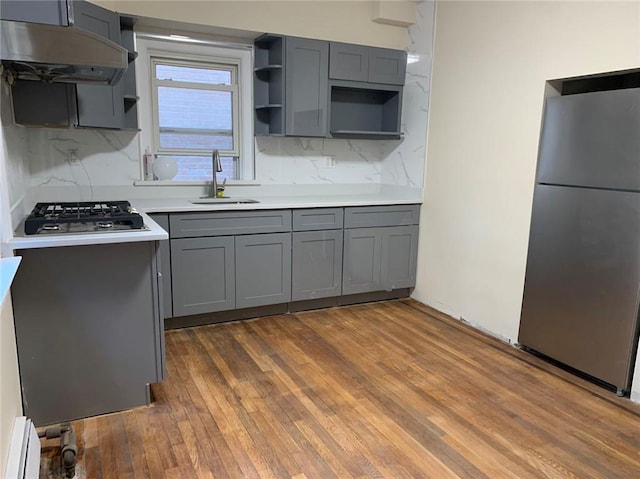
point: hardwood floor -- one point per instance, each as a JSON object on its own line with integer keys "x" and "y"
{"x": 379, "y": 390}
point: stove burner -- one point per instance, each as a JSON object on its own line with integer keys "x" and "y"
{"x": 82, "y": 217}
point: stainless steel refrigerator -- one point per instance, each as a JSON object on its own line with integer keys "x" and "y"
{"x": 582, "y": 287}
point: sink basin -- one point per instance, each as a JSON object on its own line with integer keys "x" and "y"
{"x": 222, "y": 201}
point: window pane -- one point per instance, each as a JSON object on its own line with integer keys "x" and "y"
{"x": 195, "y": 119}
{"x": 198, "y": 168}
{"x": 193, "y": 74}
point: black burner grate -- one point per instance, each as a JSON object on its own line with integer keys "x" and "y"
{"x": 90, "y": 215}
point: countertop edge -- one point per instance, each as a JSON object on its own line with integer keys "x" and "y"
{"x": 265, "y": 203}
{"x": 154, "y": 233}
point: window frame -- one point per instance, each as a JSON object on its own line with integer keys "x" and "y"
{"x": 231, "y": 66}
{"x": 152, "y": 45}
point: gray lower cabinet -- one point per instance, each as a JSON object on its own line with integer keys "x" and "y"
{"x": 226, "y": 260}
{"x": 362, "y": 257}
{"x": 317, "y": 264}
{"x": 202, "y": 275}
{"x": 164, "y": 251}
{"x": 263, "y": 269}
{"x": 377, "y": 259}
{"x": 89, "y": 330}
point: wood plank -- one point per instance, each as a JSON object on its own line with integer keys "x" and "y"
{"x": 392, "y": 389}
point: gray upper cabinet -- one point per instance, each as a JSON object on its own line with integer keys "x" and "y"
{"x": 98, "y": 105}
{"x": 306, "y": 86}
{"x": 365, "y": 91}
{"x": 202, "y": 275}
{"x": 50, "y": 12}
{"x": 263, "y": 269}
{"x": 387, "y": 66}
{"x": 290, "y": 86}
{"x": 367, "y": 64}
{"x": 349, "y": 62}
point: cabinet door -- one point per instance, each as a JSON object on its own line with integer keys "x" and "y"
{"x": 165, "y": 265}
{"x": 98, "y": 105}
{"x": 317, "y": 264}
{"x": 263, "y": 269}
{"x": 306, "y": 87}
{"x": 202, "y": 275}
{"x": 362, "y": 255}
{"x": 50, "y": 12}
{"x": 387, "y": 66}
{"x": 348, "y": 62}
{"x": 399, "y": 257}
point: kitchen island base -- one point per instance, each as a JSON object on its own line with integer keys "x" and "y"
{"x": 88, "y": 328}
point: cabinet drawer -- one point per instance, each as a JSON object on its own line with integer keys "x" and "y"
{"x": 318, "y": 219}
{"x": 369, "y": 216}
{"x": 223, "y": 223}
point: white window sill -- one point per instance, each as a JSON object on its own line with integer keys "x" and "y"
{"x": 193, "y": 183}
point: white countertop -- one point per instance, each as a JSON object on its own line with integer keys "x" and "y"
{"x": 176, "y": 205}
{"x": 153, "y": 233}
{"x": 8, "y": 269}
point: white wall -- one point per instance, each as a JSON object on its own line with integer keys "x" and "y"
{"x": 490, "y": 66}
{"x": 346, "y": 21}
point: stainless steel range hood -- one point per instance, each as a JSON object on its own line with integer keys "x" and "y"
{"x": 54, "y": 53}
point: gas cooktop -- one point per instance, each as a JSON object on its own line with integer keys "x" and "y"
{"x": 82, "y": 217}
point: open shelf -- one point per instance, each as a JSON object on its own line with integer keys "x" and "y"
{"x": 365, "y": 112}
{"x": 268, "y": 85}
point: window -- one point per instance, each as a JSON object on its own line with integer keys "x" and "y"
{"x": 197, "y": 102}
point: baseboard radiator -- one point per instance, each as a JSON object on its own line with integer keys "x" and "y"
{"x": 24, "y": 452}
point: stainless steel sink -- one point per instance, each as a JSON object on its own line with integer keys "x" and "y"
{"x": 222, "y": 201}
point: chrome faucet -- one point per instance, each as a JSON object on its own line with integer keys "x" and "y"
{"x": 216, "y": 167}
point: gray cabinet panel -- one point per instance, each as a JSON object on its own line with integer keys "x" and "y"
{"x": 387, "y": 66}
{"x": 349, "y": 62}
{"x": 306, "y": 87}
{"x": 362, "y": 257}
{"x": 98, "y": 105}
{"x": 318, "y": 219}
{"x": 43, "y": 104}
{"x": 51, "y": 12}
{"x": 399, "y": 257}
{"x": 317, "y": 264}
{"x": 165, "y": 265}
{"x": 202, "y": 275}
{"x": 187, "y": 225}
{"x": 263, "y": 269}
{"x": 87, "y": 343}
{"x": 394, "y": 215}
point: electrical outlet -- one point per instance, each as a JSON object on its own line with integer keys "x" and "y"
{"x": 330, "y": 162}
{"x": 73, "y": 156}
